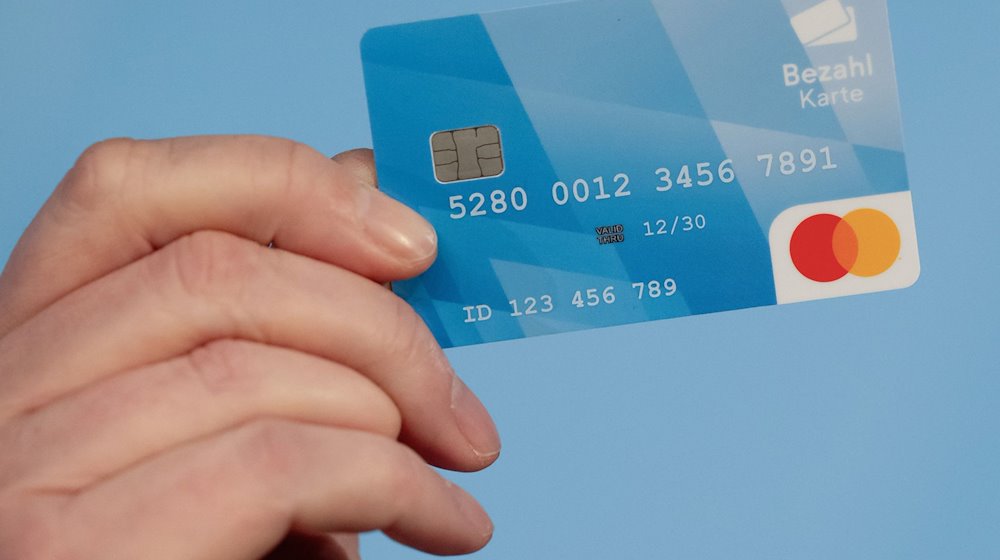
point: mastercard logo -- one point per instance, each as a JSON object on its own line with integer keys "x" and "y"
{"x": 844, "y": 247}
{"x": 865, "y": 243}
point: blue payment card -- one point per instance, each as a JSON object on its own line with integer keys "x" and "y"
{"x": 605, "y": 162}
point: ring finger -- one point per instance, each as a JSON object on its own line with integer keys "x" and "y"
{"x": 132, "y": 416}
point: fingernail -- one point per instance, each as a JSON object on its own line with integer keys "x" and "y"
{"x": 397, "y": 229}
{"x": 474, "y": 421}
{"x": 473, "y": 512}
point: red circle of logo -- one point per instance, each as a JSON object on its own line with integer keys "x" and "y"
{"x": 824, "y": 248}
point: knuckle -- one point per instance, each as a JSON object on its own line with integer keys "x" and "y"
{"x": 395, "y": 475}
{"x": 302, "y": 165}
{"x": 99, "y": 172}
{"x": 13, "y": 441}
{"x": 281, "y": 164}
{"x": 27, "y": 533}
{"x": 222, "y": 367}
{"x": 405, "y": 335}
{"x": 390, "y": 419}
{"x": 272, "y": 448}
{"x": 210, "y": 264}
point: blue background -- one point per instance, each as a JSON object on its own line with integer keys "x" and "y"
{"x": 857, "y": 428}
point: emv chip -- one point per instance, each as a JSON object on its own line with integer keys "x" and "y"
{"x": 466, "y": 154}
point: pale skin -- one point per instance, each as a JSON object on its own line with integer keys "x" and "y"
{"x": 199, "y": 360}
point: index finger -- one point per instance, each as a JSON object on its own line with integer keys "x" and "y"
{"x": 126, "y": 198}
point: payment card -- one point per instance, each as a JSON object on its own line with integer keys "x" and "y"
{"x": 606, "y": 162}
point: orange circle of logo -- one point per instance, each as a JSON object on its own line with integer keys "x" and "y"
{"x": 864, "y": 243}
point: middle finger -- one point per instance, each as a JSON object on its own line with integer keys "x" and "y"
{"x": 212, "y": 286}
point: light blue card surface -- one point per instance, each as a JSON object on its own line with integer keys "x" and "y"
{"x": 606, "y": 162}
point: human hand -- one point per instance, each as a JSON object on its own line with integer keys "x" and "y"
{"x": 170, "y": 387}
